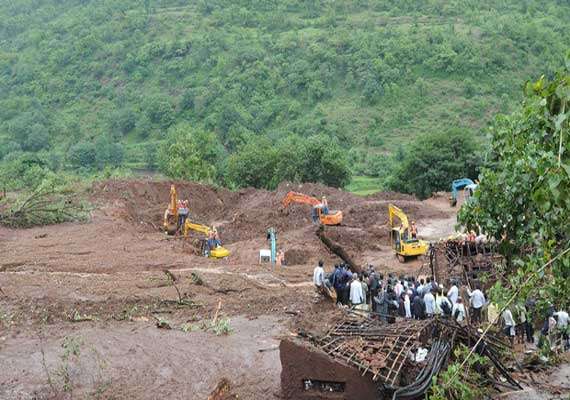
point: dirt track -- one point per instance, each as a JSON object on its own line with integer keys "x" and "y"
{"x": 102, "y": 284}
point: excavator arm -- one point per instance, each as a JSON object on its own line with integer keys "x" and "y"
{"x": 395, "y": 212}
{"x": 190, "y": 226}
{"x": 171, "y": 214}
{"x": 294, "y": 197}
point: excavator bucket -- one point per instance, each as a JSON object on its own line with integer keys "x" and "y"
{"x": 219, "y": 252}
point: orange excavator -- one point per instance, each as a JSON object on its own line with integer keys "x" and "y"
{"x": 320, "y": 210}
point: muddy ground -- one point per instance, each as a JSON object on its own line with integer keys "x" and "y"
{"x": 80, "y": 303}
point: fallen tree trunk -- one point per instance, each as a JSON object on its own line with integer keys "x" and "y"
{"x": 337, "y": 249}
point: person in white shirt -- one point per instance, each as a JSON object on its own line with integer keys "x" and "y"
{"x": 477, "y": 299}
{"x": 429, "y": 302}
{"x": 407, "y": 307}
{"x": 356, "y": 295}
{"x": 398, "y": 289}
{"x": 420, "y": 288}
{"x": 453, "y": 293}
{"x": 509, "y": 329}
{"x": 319, "y": 275}
{"x": 458, "y": 311}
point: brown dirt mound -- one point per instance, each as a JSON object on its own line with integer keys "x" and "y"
{"x": 244, "y": 216}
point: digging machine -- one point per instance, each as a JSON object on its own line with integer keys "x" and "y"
{"x": 400, "y": 238}
{"x": 331, "y": 218}
{"x": 461, "y": 184}
{"x": 210, "y": 246}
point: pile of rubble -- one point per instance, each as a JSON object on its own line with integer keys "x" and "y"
{"x": 365, "y": 358}
{"x": 465, "y": 261}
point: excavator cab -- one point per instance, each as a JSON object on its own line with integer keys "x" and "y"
{"x": 465, "y": 184}
{"x": 330, "y": 218}
{"x": 402, "y": 243}
{"x": 210, "y": 246}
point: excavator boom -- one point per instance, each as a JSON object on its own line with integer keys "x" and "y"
{"x": 171, "y": 214}
{"x": 190, "y": 226}
{"x": 172, "y": 206}
{"x": 332, "y": 218}
{"x": 403, "y": 245}
{"x": 294, "y": 197}
{"x": 396, "y": 212}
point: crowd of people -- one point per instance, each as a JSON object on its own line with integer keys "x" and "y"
{"x": 389, "y": 297}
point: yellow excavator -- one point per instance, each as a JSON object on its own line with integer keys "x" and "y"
{"x": 330, "y": 218}
{"x": 401, "y": 239}
{"x": 210, "y": 245}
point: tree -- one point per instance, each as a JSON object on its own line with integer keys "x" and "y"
{"x": 122, "y": 121}
{"x": 190, "y": 153}
{"x": 523, "y": 200}
{"x": 108, "y": 153}
{"x": 325, "y": 162}
{"x": 264, "y": 164}
{"x": 253, "y": 164}
{"x": 432, "y": 161}
{"x": 82, "y": 155}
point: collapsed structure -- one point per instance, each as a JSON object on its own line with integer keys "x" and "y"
{"x": 470, "y": 262}
{"x": 364, "y": 358}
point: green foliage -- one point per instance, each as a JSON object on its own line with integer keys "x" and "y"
{"x": 370, "y": 74}
{"x": 54, "y": 200}
{"x": 457, "y": 383}
{"x": 264, "y": 164}
{"x": 191, "y": 154}
{"x": 432, "y": 161}
{"x": 82, "y": 155}
{"x": 524, "y": 196}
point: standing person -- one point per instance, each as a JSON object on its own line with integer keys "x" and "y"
{"x": 429, "y": 301}
{"x": 562, "y": 324}
{"x": 443, "y": 305}
{"x": 529, "y": 307}
{"x": 337, "y": 283}
{"x": 183, "y": 212}
{"x": 509, "y": 329}
{"x": 420, "y": 287}
{"x": 429, "y": 286}
{"x": 418, "y": 308}
{"x": 453, "y": 293}
{"x": 318, "y": 275}
{"x": 347, "y": 280}
{"x": 364, "y": 288}
{"x": 393, "y": 305}
{"x": 356, "y": 295}
{"x": 520, "y": 328}
{"x": 373, "y": 286}
{"x": 458, "y": 312}
{"x": 477, "y": 300}
{"x": 399, "y": 288}
{"x": 407, "y": 305}
{"x": 414, "y": 230}
{"x": 381, "y": 302}
{"x": 325, "y": 205}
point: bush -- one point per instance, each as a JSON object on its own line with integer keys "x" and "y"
{"x": 262, "y": 164}
{"x": 82, "y": 155}
{"x": 433, "y": 161}
{"x": 190, "y": 154}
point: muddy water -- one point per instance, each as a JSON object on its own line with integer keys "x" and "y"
{"x": 137, "y": 360}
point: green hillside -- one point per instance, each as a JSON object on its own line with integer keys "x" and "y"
{"x": 108, "y": 79}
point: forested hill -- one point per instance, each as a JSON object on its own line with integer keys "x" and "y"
{"x": 120, "y": 74}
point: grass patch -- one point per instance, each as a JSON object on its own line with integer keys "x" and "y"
{"x": 364, "y": 185}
